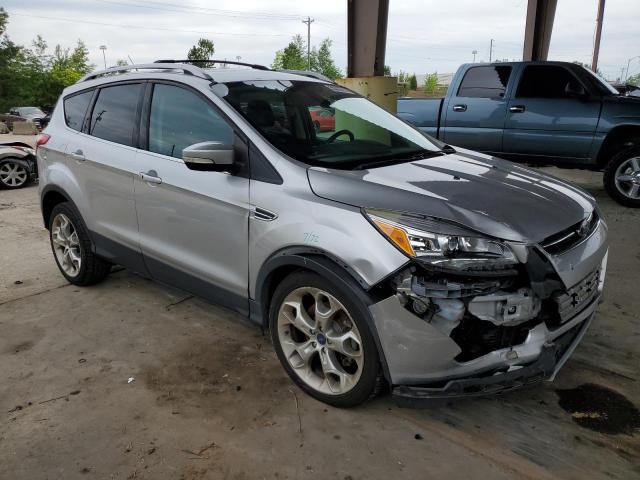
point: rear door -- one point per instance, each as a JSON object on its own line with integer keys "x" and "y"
{"x": 102, "y": 159}
{"x": 193, "y": 224}
{"x": 548, "y": 116}
{"x": 475, "y": 114}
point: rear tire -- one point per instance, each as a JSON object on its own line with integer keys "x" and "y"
{"x": 331, "y": 353}
{"x": 72, "y": 247}
{"x": 622, "y": 177}
{"x": 13, "y": 175}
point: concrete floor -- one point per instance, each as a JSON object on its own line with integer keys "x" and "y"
{"x": 209, "y": 399}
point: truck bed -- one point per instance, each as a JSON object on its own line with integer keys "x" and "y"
{"x": 423, "y": 113}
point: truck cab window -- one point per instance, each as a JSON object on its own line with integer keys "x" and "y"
{"x": 548, "y": 81}
{"x": 485, "y": 82}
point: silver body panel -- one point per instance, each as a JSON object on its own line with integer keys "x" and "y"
{"x": 206, "y": 225}
{"x": 195, "y": 222}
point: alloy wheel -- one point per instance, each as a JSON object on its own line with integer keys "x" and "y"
{"x": 320, "y": 340}
{"x": 13, "y": 174}
{"x": 628, "y": 178}
{"x": 66, "y": 245}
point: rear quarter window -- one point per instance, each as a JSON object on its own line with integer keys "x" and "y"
{"x": 75, "y": 109}
{"x": 485, "y": 82}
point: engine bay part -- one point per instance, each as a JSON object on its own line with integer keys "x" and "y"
{"x": 479, "y": 314}
{"x": 413, "y": 285}
{"x": 506, "y": 308}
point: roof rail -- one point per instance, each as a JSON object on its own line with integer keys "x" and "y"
{"x": 186, "y": 69}
{"x": 227, "y": 62}
{"x": 308, "y": 73}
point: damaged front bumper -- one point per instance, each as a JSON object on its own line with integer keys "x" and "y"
{"x": 425, "y": 359}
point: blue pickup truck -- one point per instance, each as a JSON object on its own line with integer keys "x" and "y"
{"x": 540, "y": 112}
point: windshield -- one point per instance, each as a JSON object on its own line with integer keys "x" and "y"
{"x": 607, "y": 86}
{"x": 30, "y": 111}
{"x": 325, "y": 124}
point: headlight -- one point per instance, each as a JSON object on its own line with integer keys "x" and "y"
{"x": 441, "y": 244}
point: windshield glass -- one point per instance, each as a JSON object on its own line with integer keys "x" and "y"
{"x": 607, "y": 86}
{"x": 325, "y": 124}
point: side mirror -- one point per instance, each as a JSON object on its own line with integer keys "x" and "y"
{"x": 575, "y": 90}
{"x": 209, "y": 157}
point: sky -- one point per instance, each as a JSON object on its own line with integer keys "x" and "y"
{"x": 423, "y": 36}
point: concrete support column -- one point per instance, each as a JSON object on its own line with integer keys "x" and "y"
{"x": 367, "y": 41}
{"x": 537, "y": 35}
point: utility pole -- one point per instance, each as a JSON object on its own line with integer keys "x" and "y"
{"x": 490, "y": 50}
{"x": 308, "y": 21}
{"x": 104, "y": 56}
{"x": 596, "y": 43}
{"x": 475, "y": 52}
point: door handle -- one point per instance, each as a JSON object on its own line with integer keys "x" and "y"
{"x": 78, "y": 155}
{"x": 517, "y": 109}
{"x": 459, "y": 108}
{"x": 151, "y": 177}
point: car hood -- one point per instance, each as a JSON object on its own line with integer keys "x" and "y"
{"x": 490, "y": 195}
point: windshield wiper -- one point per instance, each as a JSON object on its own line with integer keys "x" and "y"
{"x": 399, "y": 158}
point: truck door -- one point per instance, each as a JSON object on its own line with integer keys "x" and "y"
{"x": 474, "y": 116}
{"x": 550, "y": 114}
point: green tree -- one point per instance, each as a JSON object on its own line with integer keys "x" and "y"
{"x": 413, "y": 82}
{"x": 202, "y": 50}
{"x": 292, "y": 57}
{"x": 431, "y": 83}
{"x": 387, "y": 71}
{"x": 9, "y": 81}
{"x": 633, "y": 80}
{"x": 324, "y": 62}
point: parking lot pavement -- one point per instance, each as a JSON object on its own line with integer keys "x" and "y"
{"x": 130, "y": 379}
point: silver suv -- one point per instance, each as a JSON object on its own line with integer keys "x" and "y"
{"x": 375, "y": 255}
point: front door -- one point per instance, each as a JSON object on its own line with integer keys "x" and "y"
{"x": 193, "y": 224}
{"x": 550, "y": 114}
{"x": 474, "y": 116}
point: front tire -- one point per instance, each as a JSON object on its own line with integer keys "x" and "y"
{"x": 622, "y": 177}
{"x": 322, "y": 338}
{"x": 72, "y": 248}
{"x": 13, "y": 175}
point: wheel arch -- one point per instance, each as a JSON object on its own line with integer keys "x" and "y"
{"x": 50, "y": 197}
{"x": 289, "y": 260}
{"x": 620, "y": 137}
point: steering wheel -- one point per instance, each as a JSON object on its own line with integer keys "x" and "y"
{"x": 341, "y": 132}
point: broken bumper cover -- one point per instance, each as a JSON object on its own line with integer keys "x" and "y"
{"x": 552, "y": 357}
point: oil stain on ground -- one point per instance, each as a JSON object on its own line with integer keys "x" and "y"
{"x": 600, "y": 409}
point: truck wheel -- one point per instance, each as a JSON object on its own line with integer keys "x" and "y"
{"x": 72, "y": 249}
{"x": 323, "y": 341}
{"x": 622, "y": 177}
{"x": 13, "y": 175}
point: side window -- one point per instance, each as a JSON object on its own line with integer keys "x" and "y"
{"x": 180, "y": 118}
{"x": 547, "y": 81}
{"x": 114, "y": 113}
{"x": 75, "y": 108}
{"x": 485, "y": 82}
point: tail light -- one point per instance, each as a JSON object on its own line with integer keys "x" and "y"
{"x": 43, "y": 138}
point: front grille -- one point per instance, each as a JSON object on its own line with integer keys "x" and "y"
{"x": 574, "y": 300}
{"x": 570, "y": 237}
